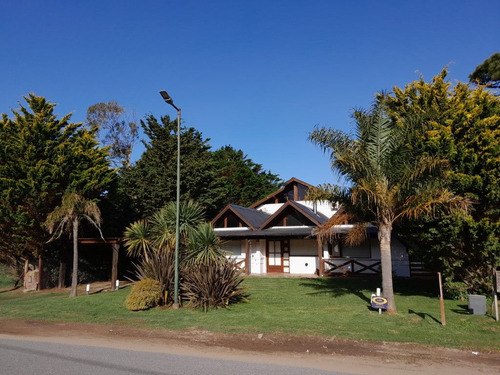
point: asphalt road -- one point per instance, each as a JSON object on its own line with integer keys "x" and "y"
{"x": 19, "y": 357}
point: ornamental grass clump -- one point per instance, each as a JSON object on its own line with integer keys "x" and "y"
{"x": 144, "y": 295}
{"x": 159, "y": 266}
{"x": 213, "y": 284}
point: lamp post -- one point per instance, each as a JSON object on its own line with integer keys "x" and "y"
{"x": 170, "y": 101}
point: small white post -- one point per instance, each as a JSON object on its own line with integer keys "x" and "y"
{"x": 88, "y": 288}
{"x": 378, "y": 295}
{"x": 117, "y": 284}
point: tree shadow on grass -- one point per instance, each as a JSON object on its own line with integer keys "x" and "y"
{"x": 463, "y": 310}
{"x": 10, "y": 290}
{"x": 337, "y": 287}
{"x": 423, "y": 315}
{"x": 365, "y": 286}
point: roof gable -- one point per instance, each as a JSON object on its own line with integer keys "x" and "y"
{"x": 294, "y": 214}
{"x": 241, "y": 215}
{"x": 293, "y": 189}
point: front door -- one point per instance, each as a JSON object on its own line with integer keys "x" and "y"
{"x": 278, "y": 256}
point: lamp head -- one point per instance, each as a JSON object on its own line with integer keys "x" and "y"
{"x": 166, "y": 97}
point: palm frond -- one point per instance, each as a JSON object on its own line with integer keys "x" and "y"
{"x": 137, "y": 239}
{"x": 204, "y": 246}
{"x": 433, "y": 201}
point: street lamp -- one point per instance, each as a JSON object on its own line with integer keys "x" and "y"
{"x": 170, "y": 101}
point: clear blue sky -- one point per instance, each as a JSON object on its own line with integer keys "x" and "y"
{"x": 257, "y": 75}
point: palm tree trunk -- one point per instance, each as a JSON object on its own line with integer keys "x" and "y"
{"x": 384, "y": 235}
{"x": 74, "y": 278}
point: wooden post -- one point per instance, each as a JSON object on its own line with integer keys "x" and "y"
{"x": 114, "y": 265}
{"x": 496, "y": 284}
{"x": 247, "y": 257}
{"x": 321, "y": 266}
{"x": 441, "y": 301}
{"x": 25, "y": 272}
{"x": 40, "y": 272}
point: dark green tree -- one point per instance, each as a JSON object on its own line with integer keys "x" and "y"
{"x": 41, "y": 158}
{"x": 241, "y": 180}
{"x": 151, "y": 182}
{"x": 488, "y": 72}
{"x": 461, "y": 124}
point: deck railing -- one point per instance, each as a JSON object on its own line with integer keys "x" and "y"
{"x": 351, "y": 266}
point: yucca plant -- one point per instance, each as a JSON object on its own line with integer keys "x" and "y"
{"x": 213, "y": 284}
{"x": 158, "y": 266}
{"x": 137, "y": 239}
{"x": 203, "y": 246}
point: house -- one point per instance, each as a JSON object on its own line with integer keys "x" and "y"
{"x": 275, "y": 235}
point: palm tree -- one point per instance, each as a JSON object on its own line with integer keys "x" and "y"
{"x": 386, "y": 180}
{"x": 66, "y": 218}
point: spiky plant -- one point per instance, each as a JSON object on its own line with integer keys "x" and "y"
{"x": 204, "y": 246}
{"x": 212, "y": 285}
{"x": 160, "y": 267}
{"x": 137, "y": 239}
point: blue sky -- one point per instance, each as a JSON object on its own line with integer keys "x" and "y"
{"x": 257, "y": 75}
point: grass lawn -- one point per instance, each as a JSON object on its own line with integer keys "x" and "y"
{"x": 300, "y": 306}
{"x": 6, "y": 280}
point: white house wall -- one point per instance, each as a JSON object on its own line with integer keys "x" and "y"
{"x": 400, "y": 261}
{"x": 236, "y": 250}
{"x": 303, "y": 257}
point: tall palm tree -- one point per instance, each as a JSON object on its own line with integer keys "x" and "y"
{"x": 66, "y": 218}
{"x": 386, "y": 181}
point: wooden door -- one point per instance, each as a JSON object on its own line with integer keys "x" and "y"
{"x": 274, "y": 257}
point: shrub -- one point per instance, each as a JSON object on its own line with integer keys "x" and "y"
{"x": 455, "y": 290}
{"x": 159, "y": 266}
{"x": 213, "y": 284}
{"x": 144, "y": 295}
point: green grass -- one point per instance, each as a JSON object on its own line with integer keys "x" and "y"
{"x": 320, "y": 307}
{"x": 6, "y": 280}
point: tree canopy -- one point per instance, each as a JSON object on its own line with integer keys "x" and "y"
{"x": 388, "y": 181}
{"x": 488, "y": 72}
{"x": 212, "y": 178}
{"x": 41, "y": 158}
{"x": 462, "y": 125}
{"x": 116, "y": 129}
{"x": 241, "y": 180}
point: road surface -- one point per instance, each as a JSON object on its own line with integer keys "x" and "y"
{"x": 25, "y": 357}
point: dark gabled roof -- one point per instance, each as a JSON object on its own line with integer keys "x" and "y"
{"x": 251, "y": 217}
{"x": 316, "y": 218}
{"x": 285, "y": 186}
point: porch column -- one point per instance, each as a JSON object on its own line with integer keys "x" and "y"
{"x": 114, "y": 265}
{"x": 321, "y": 266}
{"x": 247, "y": 258}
